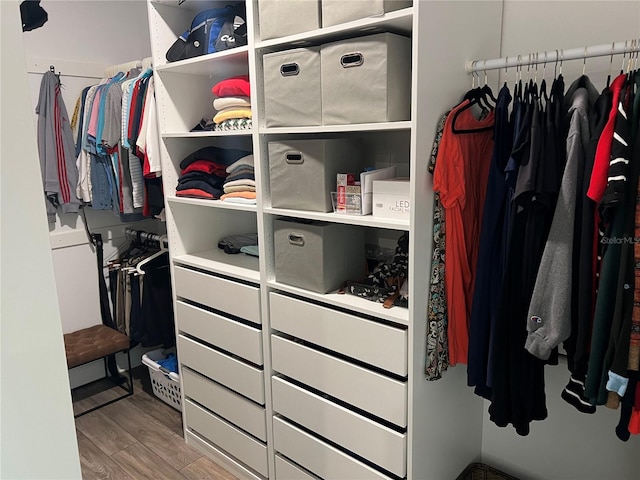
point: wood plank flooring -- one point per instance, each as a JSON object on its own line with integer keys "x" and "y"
{"x": 137, "y": 438}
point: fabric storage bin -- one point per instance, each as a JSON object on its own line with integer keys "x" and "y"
{"x": 339, "y": 11}
{"x": 303, "y": 172}
{"x": 366, "y": 80}
{"x": 279, "y": 18}
{"x": 292, "y": 88}
{"x": 317, "y": 256}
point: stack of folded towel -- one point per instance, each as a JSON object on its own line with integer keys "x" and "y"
{"x": 203, "y": 173}
{"x": 240, "y": 184}
{"x": 233, "y": 104}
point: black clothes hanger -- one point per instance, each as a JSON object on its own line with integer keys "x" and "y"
{"x": 476, "y": 96}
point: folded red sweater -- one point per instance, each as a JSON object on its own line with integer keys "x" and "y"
{"x": 233, "y": 87}
{"x": 206, "y": 166}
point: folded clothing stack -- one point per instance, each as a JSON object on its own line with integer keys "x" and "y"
{"x": 233, "y": 104}
{"x": 245, "y": 243}
{"x": 240, "y": 184}
{"x": 204, "y": 171}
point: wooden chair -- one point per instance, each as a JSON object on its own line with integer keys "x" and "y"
{"x": 95, "y": 343}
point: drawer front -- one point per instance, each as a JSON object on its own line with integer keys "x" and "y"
{"x": 229, "y": 335}
{"x": 231, "y": 297}
{"x": 356, "y": 433}
{"x": 228, "y": 371}
{"x": 317, "y": 456}
{"x": 370, "y": 391}
{"x": 226, "y": 436}
{"x": 223, "y": 402}
{"x": 286, "y": 470}
{"x": 370, "y": 342}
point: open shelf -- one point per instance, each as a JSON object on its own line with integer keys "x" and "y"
{"x": 362, "y": 220}
{"x": 213, "y": 133}
{"x": 203, "y": 202}
{"x": 399, "y": 21}
{"x": 235, "y": 63}
{"x": 241, "y": 266}
{"x": 356, "y": 127}
{"x": 398, "y": 315}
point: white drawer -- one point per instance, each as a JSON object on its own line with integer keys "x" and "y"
{"x": 237, "y": 375}
{"x": 223, "y": 402}
{"x": 229, "y": 335}
{"x": 377, "y": 443}
{"x": 231, "y": 297}
{"x": 365, "y": 340}
{"x": 221, "y": 433}
{"x": 370, "y": 391}
{"x": 317, "y": 456}
{"x": 286, "y": 470}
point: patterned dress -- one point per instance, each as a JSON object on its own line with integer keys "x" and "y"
{"x": 437, "y": 355}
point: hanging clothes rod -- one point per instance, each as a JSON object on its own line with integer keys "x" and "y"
{"x": 125, "y": 67}
{"x": 615, "y": 48}
{"x": 132, "y": 234}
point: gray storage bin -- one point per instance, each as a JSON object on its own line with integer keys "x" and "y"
{"x": 303, "y": 172}
{"x": 279, "y": 18}
{"x": 317, "y": 256}
{"x": 366, "y": 80}
{"x": 292, "y": 88}
{"x": 341, "y": 11}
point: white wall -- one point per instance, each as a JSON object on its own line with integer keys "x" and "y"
{"x": 568, "y": 444}
{"x": 37, "y": 433}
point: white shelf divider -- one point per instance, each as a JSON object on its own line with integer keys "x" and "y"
{"x": 356, "y": 127}
{"x": 240, "y": 266}
{"x": 203, "y": 202}
{"x": 235, "y": 60}
{"x": 362, "y": 220}
{"x": 205, "y": 134}
{"x": 397, "y": 315}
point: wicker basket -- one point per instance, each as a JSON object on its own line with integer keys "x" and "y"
{"x": 480, "y": 471}
{"x": 166, "y": 385}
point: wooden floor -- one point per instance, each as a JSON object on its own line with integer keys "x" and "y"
{"x": 137, "y": 438}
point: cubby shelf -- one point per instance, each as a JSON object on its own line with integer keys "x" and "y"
{"x": 400, "y": 21}
{"x": 356, "y": 127}
{"x": 203, "y": 202}
{"x": 240, "y": 266}
{"x": 397, "y": 315}
{"x": 213, "y": 133}
{"x": 362, "y": 220}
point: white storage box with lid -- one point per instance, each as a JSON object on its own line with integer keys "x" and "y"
{"x": 165, "y": 384}
{"x": 366, "y": 79}
{"x": 391, "y": 198}
{"x": 292, "y": 88}
{"x": 341, "y": 11}
{"x": 317, "y": 256}
{"x": 303, "y": 172}
{"x": 279, "y": 18}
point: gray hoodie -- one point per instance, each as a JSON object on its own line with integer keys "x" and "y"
{"x": 549, "y": 318}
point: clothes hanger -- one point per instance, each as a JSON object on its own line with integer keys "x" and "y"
{"x": 610, "y": 64}
{"x": 476, "y": 96}
{"x": 543, "y": 83}
{"x": 162, "y": 251}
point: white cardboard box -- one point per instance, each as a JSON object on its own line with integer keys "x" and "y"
{"x": 391, "y": 198}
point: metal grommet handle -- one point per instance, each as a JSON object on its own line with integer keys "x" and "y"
{"x": 354, "y": 59}
{"x": 294, "y": 158}
{"x": 289, "y": 69}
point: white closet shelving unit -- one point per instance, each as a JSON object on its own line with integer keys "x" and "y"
{"x": 278, "y": 381}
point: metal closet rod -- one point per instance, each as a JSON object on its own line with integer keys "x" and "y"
{"x": 615, "y": 48}
{"x": 132, "y": 234}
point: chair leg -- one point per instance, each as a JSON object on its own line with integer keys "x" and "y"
{"x": 129, "y": 390}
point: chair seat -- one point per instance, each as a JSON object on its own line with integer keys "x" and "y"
{"x": 93, "y": 343}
